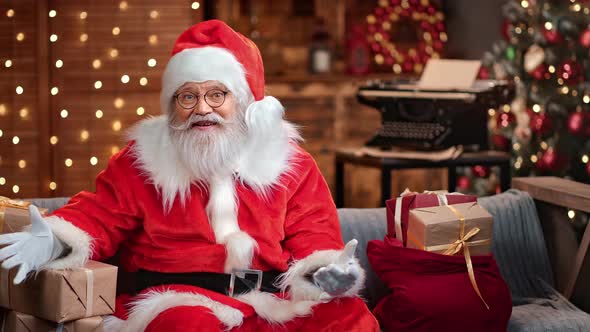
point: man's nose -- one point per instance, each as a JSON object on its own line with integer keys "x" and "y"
{"x": 202, "y": 108}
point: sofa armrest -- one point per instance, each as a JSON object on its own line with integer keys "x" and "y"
{"x": 567, "y": 252}
{"x": 557, "y": 191}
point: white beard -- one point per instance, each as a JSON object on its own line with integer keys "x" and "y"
{"x": 211, "y": 154}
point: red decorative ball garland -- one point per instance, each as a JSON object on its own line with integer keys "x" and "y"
{"x": 429, "y": 25}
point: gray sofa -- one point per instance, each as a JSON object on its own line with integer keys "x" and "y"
{"x": 519, "y": 247}
{"x": 537, "y": 305}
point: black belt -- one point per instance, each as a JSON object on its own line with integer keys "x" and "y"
{"x": 217, "y": 282}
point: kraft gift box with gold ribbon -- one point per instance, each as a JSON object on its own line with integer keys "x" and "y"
{"x": 13, "y": 321}
{"x": 398, "y": 209}
{"x": 437, "y": 228}
{"x": 14, "y": 215}
{"x": 62, "y": 295}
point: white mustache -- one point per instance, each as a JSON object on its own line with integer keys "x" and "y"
{"x": 194, "y": 118}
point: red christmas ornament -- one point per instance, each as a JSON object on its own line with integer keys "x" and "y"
{"x": 501, "y": 142}
{"x": 481, "y": 171}
{"x": 437, "y": 45}
{"x": 484, "y": 73}
{"x": 552, "y": 36}
{"x": 505, "y": 119}
{"x": 585, "y": 38}
{"x": 424, "y": 25}
{"x": 389, "y": 60}
{"x": 407, "y": 66}
{"x": 571, "y": 72}
{"x": 463, "y": 182}
{"x": 541, "y": 124}
{"x": 551, "y": 161}
{"x": 506, "y": 28}
{"x": 578, "y": 124}
{"x": 539, "y": 72}
{"x": 375, "y": 47}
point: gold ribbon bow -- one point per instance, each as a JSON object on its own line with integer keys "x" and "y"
{"x": 461, "y": 243}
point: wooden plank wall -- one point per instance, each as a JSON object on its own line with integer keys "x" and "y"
{"x": 123, "y": 36}
{"x": 19, "y": 111}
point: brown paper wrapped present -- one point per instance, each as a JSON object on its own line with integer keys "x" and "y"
{"x": 62, "y": 295}
{"x": 437, "y": 228}
{"x": 14, "y": 215}
{"x": 18, "y": 322}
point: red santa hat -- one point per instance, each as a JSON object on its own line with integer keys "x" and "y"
{"x": 211, "y": 50}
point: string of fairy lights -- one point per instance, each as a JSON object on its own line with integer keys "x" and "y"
{"x": 95, "y": 64}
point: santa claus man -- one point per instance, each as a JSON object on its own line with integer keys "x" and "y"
{"x": 208, "y": 204}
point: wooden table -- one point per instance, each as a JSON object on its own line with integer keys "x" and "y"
{"x": 386, "y": 165}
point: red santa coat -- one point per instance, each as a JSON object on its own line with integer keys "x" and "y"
{"x": 124, "y": 211}
{"x": 282, "y": 210}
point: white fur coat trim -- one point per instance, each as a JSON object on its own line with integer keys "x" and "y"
{"x": 268, "y": 306}
{"x": 75, "y": 238}
{"x": 301, "y": 289}
{"x": 151, "y": 304}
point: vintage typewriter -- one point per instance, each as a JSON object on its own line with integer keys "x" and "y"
{"x": 446, "y": 107}
{"x": 433, "y": 119}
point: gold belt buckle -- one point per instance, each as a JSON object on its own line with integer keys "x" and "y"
{"x": 241, "y": 273}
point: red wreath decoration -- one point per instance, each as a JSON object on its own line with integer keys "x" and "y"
{"x": 428, "y": 23}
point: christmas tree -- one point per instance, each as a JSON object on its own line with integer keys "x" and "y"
{"x": 545, "y": 51}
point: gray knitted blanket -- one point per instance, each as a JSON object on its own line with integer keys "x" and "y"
{"x": 519, "y": 248}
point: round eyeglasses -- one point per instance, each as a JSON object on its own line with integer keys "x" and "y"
{"x": 188, "y": 100}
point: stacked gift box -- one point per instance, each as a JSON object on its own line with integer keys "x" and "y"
{"x": 54, "y": 300}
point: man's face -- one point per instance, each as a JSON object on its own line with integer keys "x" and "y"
{"x": 207, "y": 135}
{"x": 213, "y": 100}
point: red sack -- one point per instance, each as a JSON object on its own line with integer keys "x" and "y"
{"x": 399, "y": 208}
{"x": 432, "y": 292}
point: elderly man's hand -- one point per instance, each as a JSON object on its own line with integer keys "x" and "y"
{"x": 339, "y": 277}
{"x": 31, "y": 249}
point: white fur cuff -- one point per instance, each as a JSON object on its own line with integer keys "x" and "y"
{"x": 300, "y": 288}
{"x": 75, "y": 238}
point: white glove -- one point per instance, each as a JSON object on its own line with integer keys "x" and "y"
{"x": 30, "y": 250}
{"x": 338, "y": 277}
